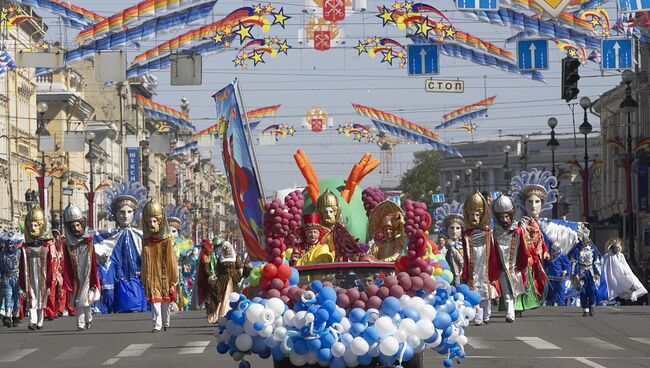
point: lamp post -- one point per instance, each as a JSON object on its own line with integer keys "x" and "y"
{"x": 628, "y": 106}
{"x": 468, "y": 179}
{"x": 553, "y": 144}
{"x": 456, "y": 187}
{"x": 90, "y": 196}
{"x": 506, "y": 167}
{"x": 42, "y": 132}
{"x": 478, "y": 174}
{"x": 524, "y": 156}
{"x": 585, "y": 128}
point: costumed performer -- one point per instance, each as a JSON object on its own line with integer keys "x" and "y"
{"x": 107, "y": 280}
{"x": 312, "y": 248}
{"x": 621, "y": 281}
{"x": 219, "y": 276}
{"x": 557, "y": 270}
{"x": 80, "y": 277}
{"x": 12, "y": 240}
{"x": 513, "y": 259}
{"x": 585, "y": 267}
{"x": 55, "y": 297}
{"x": 123, "y": 245}
{"x": 36, "y": 266}
{"x": 450, "y": 223}
{"x": 180, "y": 225}
{"x": 159, "y": 264}
{"x": 386, "y": 226}
{"x": 480, "y": 263}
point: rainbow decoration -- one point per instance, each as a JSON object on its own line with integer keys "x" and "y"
{"x": 263, "y": 112}
{"x": 358, "y": 132}
{"x": 567, "y": 18}
{"x": 572, "y": 50}
{"x": 72, "y": 15}
{"x": 533, "y": 26}
{"x": 133, "y": 15}
{"x": 462, "y": 118}
{"x": 162, "y": 112}
{"x": 465, "y": 109}
{"x": 142, "y": 31}
{"x": 469, "y": 127}
{"x": 31, "y": 169}
{"x": 394, "y": 125}
{"x": 387, "y": 47}
{"x": 279, "y": 130}
{"x": 599, "y": 20}
{"x": 257, "y": 48}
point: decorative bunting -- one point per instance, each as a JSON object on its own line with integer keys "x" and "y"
{"x": 566, "y": 18}
{"x": 358, "y": 132}
{"x": 387, "y": 47}
{"x": 6, "y": 62}
{"x": 144, "y": 31}
{"x": 599, "y": 20}
{"x": 263, "y": 112}
{"x": 280, "y": 130}
{"x": 162, "y": 112}
{"x": 74, "y": 16}
{"x": 465, "y": 109}
{"x": 472, "y": 115}
{"x": 257, "y": 48}
{"x": 394, "y": 125}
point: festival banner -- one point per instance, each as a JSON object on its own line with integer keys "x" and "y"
{"x": 242, "y": 171}
{"x": 72, "y": 15}
{"x": 162, "y": 112}
{"x": 133, "y": 164}
{"x": 469, "y": 108}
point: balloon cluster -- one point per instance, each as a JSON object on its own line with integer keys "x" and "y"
{"x": 277, "y": 226}
{"x": 294, "y": 202}
{"x": 418, "y": 222}
{"x": 371, "y": 198}
{"x": 318, "y": 331}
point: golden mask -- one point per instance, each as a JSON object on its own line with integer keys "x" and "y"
{"x": 154, "y": 221}
{"x": 328, "y": 216}
{"x": 476, "y": 203}
{"x": 36, "y": 226}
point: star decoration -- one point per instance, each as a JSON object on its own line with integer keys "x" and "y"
{"x": 340, "y": 129}
{"x": 291, "y": 131}
{"x": 377, "y": 40}
{"x": 361, "y": 48}
{"x": 258, "y": 9}
{"x": 397, "y": 5}
{"x": 244, "y": 32}
{"x": 388, "y": 57}
{"x": 400, "y": 54}
{"x": 46, "y": 46}
{"x": 268, "y": 8}
{"x": 276, "y": 40}
{"x": 595, "y": 22}
{"x": 267, "y": 40}
{"x": 284, "y": 47}
{"x": 227, "y": 30}
{"x": 226, "y": 44}
{"x": 257, "y": 58}
{"x": 218, "y": 38}
{"x": 280, "y": 18}
{"x": 237, "y": 61}
{"x": 386, "y": 16}
{"x": 369, "y": 40}
{"x": 450, "y": 32}
{"x": 423, "y": 27}
{"x": 408, "y": 6}
{"x": 357, "y": 137}
{"x": 572, "y": 52}
{"x": 440, "y": 26}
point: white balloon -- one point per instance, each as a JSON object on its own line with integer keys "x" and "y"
{"x": 299, "y": 319}
{"x": 438, "y": 339}
{"x": 413, "y": 341}
{"x": 460, "y": 297}
{"x": 254, "y": 312}
{"x": 350, "y": 359}
{"x": 389, "y": 346}
{"x": 404, "y": 301}
{"x": 271, "y": 342}
{"x": 279, "y": 333}
{"x": 287, "y": 317}
{"x": 407, "y": 325}
{"x": 424, "y": 329}
{"x": 309, "y": 318}
{"x": 384, "y": 326}
{"x": 373, "y": 315}
{"x": 462, "y": 340}
{"x": 279, "y": 322}
{"x": 276, "y": 305}
{"x": 346, "y": 339}
{"x": 266, "y": 331}
{"x": 312, "y": 358}
{"x": 416, "y": 303}
{"x": 428, "y": 312}
{"x": 233, "y": 297}
{"x": 297, "y": 359}
{"x": 400, "y": 335}
{"x": 338, "y": 349}
{"x": 267, "y": 316}
{"x": 244, "y": 342}
{"x": 345, "y": 322}
{"x": 249, "y": 329}
{"x": 359, "y": 346}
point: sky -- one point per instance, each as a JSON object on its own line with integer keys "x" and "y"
{"x": 335, "y": 79}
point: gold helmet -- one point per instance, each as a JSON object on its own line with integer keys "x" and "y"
{"x": 37, "y": 215}
{"x": 153, "y": 209}
{"x": 328, "y": 199}
{"x": 476, "y": 202}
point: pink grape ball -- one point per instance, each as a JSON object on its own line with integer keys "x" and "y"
{"x": 273, "y": 293}
{"x": 285, "y": 299}
{"x": 382, "y": 293}
{"x": 390, "y": 281}
{"x": 405, "y": 282}
{"x": 429, "y": 284}
{"x": 371, "y": 290}
{"x": 277, "y": 284}
{"x": 414, "y": 271}
{"x": 359, "y": 304}
{"x": 417, "y": 283}
{"x": 343, "y": 301}
{"x": 277, "y": 261}
{"x": 353, "y": 294}
{"x": 363, "y": 296}
{"x": 428, "y": 270}
{"x": 276, "y": 252}
{"x": 374, "y": 302}
{"x": 396, "y": 291}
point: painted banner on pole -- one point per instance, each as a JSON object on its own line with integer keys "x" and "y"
{"x": 133, "y": 164}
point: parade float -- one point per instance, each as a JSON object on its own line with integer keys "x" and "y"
{"x": 349, "y": 279}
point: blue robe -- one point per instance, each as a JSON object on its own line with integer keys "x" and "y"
{"x": 9, "y": 268}
{"x": 107, "y": 279}
{"x": 585, "y": 264}
{"x": 557, "y": 287}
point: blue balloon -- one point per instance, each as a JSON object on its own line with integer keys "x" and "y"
{"x": 326, "y": 293}
{"x": 316, "y": 286}
{"x": 327, "y": 340}
{"x": 357, "y": 329}
{"x": 442, "y": 320}
{"x": 330, "y": 305}
{"x": 322, "y": 315}
{"x": 447, "y": 363}
{"x": 337, "y": 362}
{"x": 313, "y": 345}
{"x": 365, "y": 359}
{"x": 408, "y": 353}
{"x": 356, "y": 315}
{"x": 294, "y": 278}
{"x": 324, "y": 355}
{"x": 454, "y": 314}
{"x": 370, "y": 334}
{"x": 442, "y": 349}
{"x": 335, "y": 317}
{"x": 313, "y": 309}
{"x": 473, "y": 297}
{"x": 237, "y": 317}
{"x": 421, "y": 293}
{"x": 258, "y": 326}
{"x": 277, "y": 354}
{"x": 228, "y": 314}
{"x": 447, "y": 332}
{"x": 410, "y": 313}
{"x": 265, "y": 354}
{"x": 463, "y": 289}
{"x": 244, "y": 364}
{"x": 300, "y": 346}
{"x": 390, "y": 306}
{"x": 433, "y": 337}
{"x": 222, "y": 348}
{"x": 258, "y": 344}
{"x": 386, "y": 360}
{"x": 256, "y": 299}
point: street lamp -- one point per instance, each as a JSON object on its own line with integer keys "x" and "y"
{"x": 628, "y": 106}
{"x": 457, "y": 187}
{"x": 524, "y": 156}
{"x": 585, "y": 128}
{"x": 42, "y": 132}
{"x": 468, "y": 179}
{"x": 506, "y": 166}
{"x": 478, "y": 172}
{"x": 91, "y": 157}
{"x": 553, "y": 144}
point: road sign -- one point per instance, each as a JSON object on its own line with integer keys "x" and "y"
{"x": 495, "y": 195}
{"x": 449, "y": 86}
{"x": 477, "y": 4}
{"x": 532, "y": 54}
{"x": 629, "y": 6}
{"x": 553, "y": 7}
{"x": 423, "y": 59}
{"x": 617, "y": 53}
{"x": 438, "y": 198}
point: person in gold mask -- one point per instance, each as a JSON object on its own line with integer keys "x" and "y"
{"x": 386, "y": 226}
{"x": 329, "y": 209}
{"x": 159, "y": 272}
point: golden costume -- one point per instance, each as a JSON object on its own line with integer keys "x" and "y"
{"x": 386, "y": 226}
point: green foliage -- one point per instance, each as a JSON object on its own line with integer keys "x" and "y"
{"x": 422, "y": 178}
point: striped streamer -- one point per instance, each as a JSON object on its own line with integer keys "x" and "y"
{"x": 469, "y": 108}
{"x": 162, "y": 112}
{"x": 480, "y": 113}
{"x": 72, "y": 15}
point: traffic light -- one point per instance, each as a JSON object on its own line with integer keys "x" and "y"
{"x": 570, "y": 78}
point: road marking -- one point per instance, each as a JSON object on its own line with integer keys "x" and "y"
{"x": 478, "y": 343}
{"x": 74, "y": 353}
{"x": 111, "y": 361}
{"x": 643, "y": 340}
{"x": 133, "y": 350}
{"x": 538, "y": 343}
{"x": 589, "y": 363}
{"x": 194, "y": 347}
{"x": 14, "y": 355}
{"x": 614, "y": 308}
{"x": 598, "y": 343}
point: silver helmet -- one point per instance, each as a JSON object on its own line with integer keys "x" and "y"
{"x": 72, "y": 213}
{"x": 503, "y": 204}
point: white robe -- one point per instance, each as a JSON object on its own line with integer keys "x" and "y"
{"x": 621, "y": 281}
{"x": 478, "y": 255}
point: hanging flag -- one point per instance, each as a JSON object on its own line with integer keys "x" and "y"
{"x": 162, "y": 112}
{"x": 472, "y": 115}
{"x": 6, "y": 62}
{"x": 72, "y": 15}
{"x": 242, "y": 172}
{"x": 465, "y": 109}
{"x": 390, "y": 124}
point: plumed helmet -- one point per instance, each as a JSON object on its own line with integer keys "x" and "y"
{"x": 72, "y": 213}
{"x": 476, "y": 202}
{"x": 503, "y": 204}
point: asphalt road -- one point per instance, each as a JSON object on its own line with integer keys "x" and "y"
{"x": 550, "y": 337}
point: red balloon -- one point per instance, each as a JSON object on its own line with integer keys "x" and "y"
{"x": 417, "y": 283}
{"x": 359, "y": 304}
{"x": 277, "y": 284}
{"x": 265, "y": 283}
{"x": 284, "y": 272}
{"x": 405, "y": 282}
{"x": 343, "y": 301}
{"x": 429, "y": 284}
{"x": 276, "y": 252}
{"x": 382, "y": 293}
{"x": 269, "y": 271}
{"x": 363, "y": 296}
{"x": 374, "y": 302}
{"x": 353, "y": 294}
{"x": 390, "y": 281}
{"x": 371, "y": 290}
{"x": 397, "y": 291}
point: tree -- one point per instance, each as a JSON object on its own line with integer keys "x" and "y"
{"x": 422, "y": 178}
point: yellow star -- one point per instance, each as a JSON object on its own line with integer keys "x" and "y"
{"x": 361, "y": 48}
{"x": 268, "y": 8}
{"x": 440, "y": 26}
{"x": 226, "y": 44}
{"x": 218, "y": 38}
{"x": 377, "y": 40}
{"x": 46, "y": 46}
{"x": 572, "y": 52}
{"x": 400, "y": 54}
{"x": 227, "y": 30}
{"x": 237, "y": 61}
{"x": 397, "y": 5}
{"x": 369, "y": 40}
{"x": 267, "y": 41}
{"x": 276, "y": 40}
{"x": 291, "y": 131}
{"x": 357, "y": 137}
{"x": 3, "y": 15}
{"x": 408, "y": 6}
{"x": 340, "y": 129}
{"x": 257, "y": 58}
{"x": 402, "y": 64}
{"x": 280, "y": 18}
{"x": 388, "y": 57}
{"x": 595, "y": 22}
{"x": 244, "y": 66}
{"x": 423, "y": 27}
{"x": 244, "y": 56}
{"x": 284, "y": 47}
{"x": 450, "y": 32}
{"x": 386, "y": 16}
{"x": 244, "y": 32}
{"x": 257, "y": 9}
